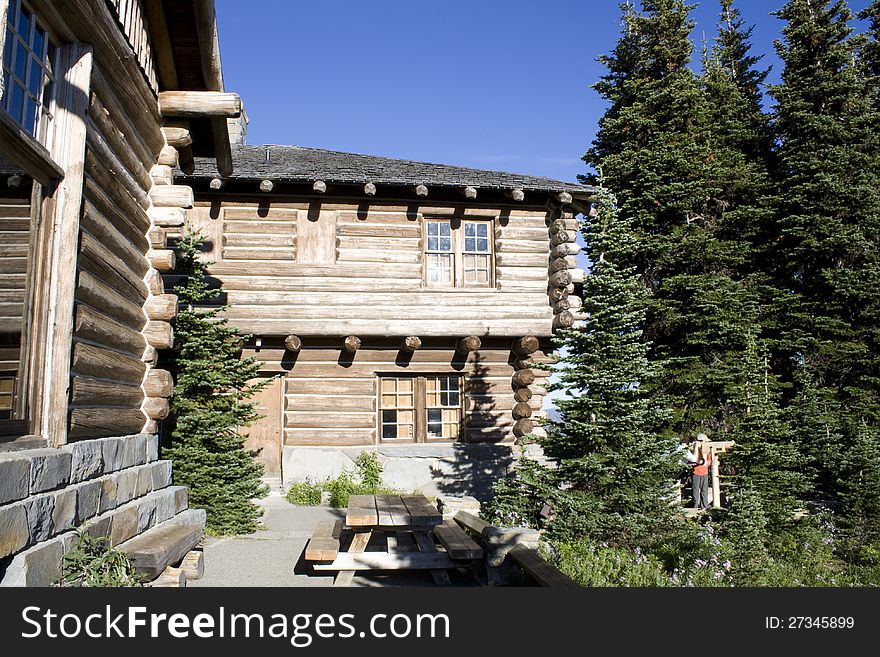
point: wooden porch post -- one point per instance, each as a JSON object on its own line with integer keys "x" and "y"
{"x": 716, "y": 485}
{"x": 68, "y": 150}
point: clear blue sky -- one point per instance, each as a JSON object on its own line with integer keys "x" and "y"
{"x": 495, "y": 84}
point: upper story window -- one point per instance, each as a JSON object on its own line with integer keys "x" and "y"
{"x": 458, "y": 253}
{"x": 29, "y": 65}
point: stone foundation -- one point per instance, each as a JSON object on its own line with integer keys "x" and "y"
{"x": 439, "y": 470}
{"x": 117, "y": 486}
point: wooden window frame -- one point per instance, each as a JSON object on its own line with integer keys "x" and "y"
{"x": 420, "y": 407}
{"x": 457, "y": 237}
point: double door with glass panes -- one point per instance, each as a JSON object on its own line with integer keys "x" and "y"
{"x": 420, "y": 408}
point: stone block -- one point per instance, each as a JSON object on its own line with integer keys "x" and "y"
{"x": 140, "y": 448}
{"x": 87, "y": 460}
{"x": 152, "y": 448}
{"x": 146, "y": 512}
{"x": 40, "y": 509}
{"x": 108, "y": 493}
{"x": 36, "y": 566}
{"x": 144, "y": 480}
{"x": 14, "y": 532}
{"x": 100, "y": 526}
{"x": 166, "y": 505}
{"x": 15, "y": 477}
{"x": 88, "y": 500}
{"x": 112, "y": 452}
{"x": 123, "y": 524}
{"x": 181, "y": 498}
{"x": 500, "y": 540}
{"x": 450, "y": 505}
{"x": 161, "y": 471}
{"x": 197, "y": 517}
{"x": 64, "y": 511}
{"x": 50, "y": 468}
{"x": 130, "y": 448}
{"x": 126, "y": 485}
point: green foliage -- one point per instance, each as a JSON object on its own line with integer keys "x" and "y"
{"x": 591, "y": 564}
{"x": 369, "y": 470}
{"x": 91, "y": 562}
{"x": 209, "y": 406}
{"x": 305, "y": 493}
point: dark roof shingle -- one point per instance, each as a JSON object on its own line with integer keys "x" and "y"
{"x": 301, "y": 164}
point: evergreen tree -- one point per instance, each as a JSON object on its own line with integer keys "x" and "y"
{"x": 209, "y": 405}
{"x": 616, "y": 469}
{"x": 827, "y": 204}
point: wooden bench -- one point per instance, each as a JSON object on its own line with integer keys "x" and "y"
{"x": 545, "y": 574}
{"x": 156, "y": 549}
{"x": 471, "y": 522}
{"x": 457, "y": 543}
{"x": 324, "y": 543}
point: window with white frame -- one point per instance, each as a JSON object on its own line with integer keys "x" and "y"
{"x": 458, "y": 253}
{"x": 30, "y": 61}
{"x": 420, "y": 408}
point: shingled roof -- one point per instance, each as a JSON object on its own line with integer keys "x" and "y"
{"x": 301, "y": 164}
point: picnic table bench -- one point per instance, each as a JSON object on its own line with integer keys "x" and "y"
{"x": 398, "y": 518}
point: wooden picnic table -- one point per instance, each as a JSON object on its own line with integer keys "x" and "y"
{"x": 396, "y": 517}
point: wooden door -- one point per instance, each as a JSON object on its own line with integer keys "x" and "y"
{"x": 264, "y": 435}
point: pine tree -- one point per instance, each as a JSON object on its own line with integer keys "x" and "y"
{"x": 210, "y": 405}
{"x": 827, "y": 205}
{"x": 616, "y": 468}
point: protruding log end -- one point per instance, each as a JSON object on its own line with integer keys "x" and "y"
{"x": 468, "y": 344}
{"x": 411, "y": 343}
{"x": 522, "y": 427}
{"x": 351, "y": 344}
{"x": 563, "y": 197}
{"x": 158, "y": 383}
{"x": 162, "y": 259}
{"x": 421, "y": 190}
{"x": 370, "y": 189}
{"x": 559, "y": 293}
{"x": 558, "y": 264}
{"x": 526, "y": 345}
{"x": 293, "y": 343}
{"x": 216, "y": 183}
{"x": 563, "y": 320}
{"x": 320, "y": 186}
{"x": 523, "y": 378}
{"x": 155, "y": 408}
{"x": 565, "y": 249}
{"x": 562, "y": 278}
{"x": 470, "y": 192}
{"x": 522, "y": 394}
{"x": 267, "y": 186}
{"x": 516, "y": 194}
{"x": 522, "y": 410}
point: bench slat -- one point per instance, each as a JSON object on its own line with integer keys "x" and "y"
{"x": 157, "y": 548}
{"x": 542, "y": 572}
{"x": 471, "y": 522}
{"x": 421, "y": 511}
{"x": 458, "y": 544}
{"x": 361, "y": 511}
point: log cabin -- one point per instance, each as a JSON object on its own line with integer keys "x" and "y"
{"x": 100, "y": 100}
{"x": 397, "y": 306}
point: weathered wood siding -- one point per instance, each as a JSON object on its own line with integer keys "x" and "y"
{"x": 336, "y": 269}
{"x": 15, "y": 238}
{"x": 331, "y": 399}
{"x": 123, "y": 141}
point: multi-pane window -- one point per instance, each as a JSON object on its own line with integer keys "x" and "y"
{"x": 420, "y": 409}
{"x": 458, "y": 254}
{"x": 29, "y": 64}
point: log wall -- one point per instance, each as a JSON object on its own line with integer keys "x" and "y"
{"x": 336, "y": 269}
{"x": 331, "y": 399}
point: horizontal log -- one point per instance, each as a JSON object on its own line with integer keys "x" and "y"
{"x": 161, "y": 306}
{"x": 199, "y": 104}
{"x": 562, "y": 278}
{"x": 281, "y": 270}
{"x": 365, "y": 387}
{"x": 346, "y": 255}
{"x": 385, "y": 328}
{"x": 110, "y": 268}
{"x": 425, "y": 299}
{"x": 95, "y": 292}
{"x": 285, "y": 254}
{"x": 331, "y": 438}
{"x": 155, "y": 408}
{"x": 373, "y": 229}
{"x": 113, "y": 240}
{"x": 239, "y": 229}
{"x": 90, "y": 360}
{"x": 333, "y": 313}
{"x": 158, "y": 383}
{"x": 522, "y": 246}
{"x": 169, "y": 217}
{"x": 159, "y": 334}
{"x": 172, "y": 196}
{"x": 127, "y": 215}
{"x": 101, "y": 329}
{"x": 321, "y": 419}
{"x": 529, "y": 234}
{"x": 162, "y": 259}
{"x": 177, "y": 136}
{"x": 100, "y": 156}
{"x": 100, "y": 422}
{"x": 97, "y": 392}
{"x": 538, "y": 260}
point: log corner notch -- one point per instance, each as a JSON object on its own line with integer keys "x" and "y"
{"x": 411, "y": 343}
{"x": 216, "y": 106}
{"x": 525, "y": 345}
{"x": 351, "y": 344}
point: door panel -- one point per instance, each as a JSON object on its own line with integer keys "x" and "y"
{"x": 264, "y": 435}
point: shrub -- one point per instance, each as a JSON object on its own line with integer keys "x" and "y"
{"x": 592, "y": 564}
{"x": 305, "y": 493}
{"x": 92, "y": 562}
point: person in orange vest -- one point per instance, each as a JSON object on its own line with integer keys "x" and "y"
{"x": 700, "y": 478}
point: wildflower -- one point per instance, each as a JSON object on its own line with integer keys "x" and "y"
{"x": 727, "y": 565}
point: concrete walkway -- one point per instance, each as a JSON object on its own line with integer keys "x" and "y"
{"x": 272, "y": 556}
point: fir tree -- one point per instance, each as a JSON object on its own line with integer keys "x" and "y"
{"x": 827, "y": 204}
{"x": 210, "y": 405}
{"x": 616, "y": 468}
